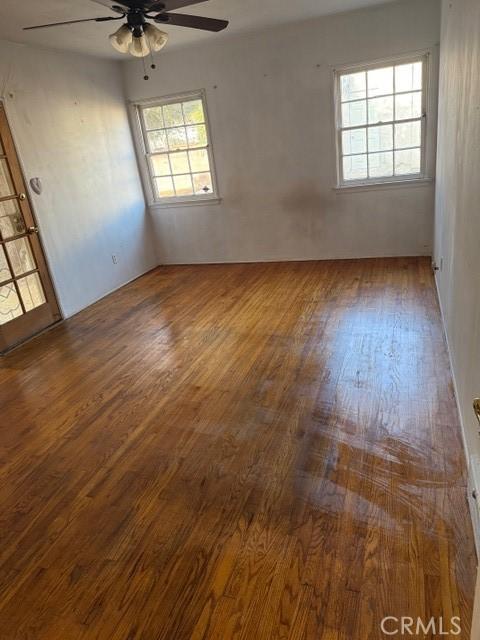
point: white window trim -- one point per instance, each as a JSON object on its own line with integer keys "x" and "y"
{"x": 143, "y": 153}
{"x": 391, "y": 181}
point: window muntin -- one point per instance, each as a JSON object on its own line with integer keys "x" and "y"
{"x": 177, "y": 149}
{"x": 381, "y": 122}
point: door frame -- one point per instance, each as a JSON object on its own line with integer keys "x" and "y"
{"x": 14, "y": 335}
{"x": 476, "y": 610}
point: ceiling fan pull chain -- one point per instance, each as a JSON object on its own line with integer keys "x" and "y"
{"x": 146, "y": 76}
{"x": 152, "y": 61}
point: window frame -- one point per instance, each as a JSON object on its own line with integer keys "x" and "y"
{"x": 338, "y": 72}
{"x": 145, "y": 154}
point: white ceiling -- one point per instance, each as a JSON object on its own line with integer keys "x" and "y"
{"x": 244, "y": 15}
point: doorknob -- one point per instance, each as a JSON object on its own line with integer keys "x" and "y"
{"x": 31, "y": 230}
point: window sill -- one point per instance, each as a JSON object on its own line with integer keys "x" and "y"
{"x": 185, "y": 203}
{"x": 375, "y": 186}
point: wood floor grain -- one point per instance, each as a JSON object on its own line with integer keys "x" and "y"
{"x": 245, "y": 452}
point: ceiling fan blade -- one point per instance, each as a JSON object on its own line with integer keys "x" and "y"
{"x": 58, "y": 24}
{"x": 172, "y": 5}
{"x": 117, "y": 5}
{"x": 194, "y": 22}
{"x": 148, "y": 5}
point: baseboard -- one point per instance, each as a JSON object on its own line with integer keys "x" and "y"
{"x": 110, "y": 291}
{"x": 473, "y": 463}
{"x": 179, "y": 262}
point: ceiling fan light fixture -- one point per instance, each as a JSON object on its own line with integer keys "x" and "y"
{"x": 122, "y": 39}
{"x": 139, "y": 47}
{"x": 156, "y": 39}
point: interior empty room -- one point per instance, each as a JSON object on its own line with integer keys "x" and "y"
{"x": 239, "y": 319}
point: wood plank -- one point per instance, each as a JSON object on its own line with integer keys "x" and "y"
{"x": 234, "y": 452}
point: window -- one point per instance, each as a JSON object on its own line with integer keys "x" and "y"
{"x": 381, "y": 122}
{"x": 178, "y": 153}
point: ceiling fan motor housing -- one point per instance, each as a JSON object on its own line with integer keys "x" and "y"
{"x": 136, "y": 21}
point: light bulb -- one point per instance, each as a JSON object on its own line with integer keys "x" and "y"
{"x": 121, "y": 39}
{"x": 156, "y": 39}
{"x": 139, "y": 47}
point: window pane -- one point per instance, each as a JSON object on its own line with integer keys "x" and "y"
{"x": 183, "y": 185}
{"x": 20, "y": 255}
{"x": 380, "y": 138}
{"x": 193, "y": 112}
{"x": 408, "y": 105}
{"x": 153, "y": 118}
{"x": 160, "y": 165}
{"x": 178, "y": 149}
{"x": 354, "y": 167}
{"x": 380, "y": 110}
{"x": 179, "y": 162}
{"x": 380, "y": 165}
{"x": 202, "y": 183}
{"x": 10, "y": 307}
{"x": 408, "y": 77}
{"x": 407, "y": 162}
{"x": 354, "y": 114}
{"x": 4, "y": 268}
{"x": 354, "y": 86}
{"x": 380, "y": 82}
{"x": 11, "y": 219}
{"x": 157, "y": 141}
{"x": 354, "y": 141}
{"x": 197, "y": 136}
{"x": 199, "y": 160}
{"x": 408, "y": 134}
{"x": 164, "y": 187}
{"x": 177, "y": 138}
{"x": 31, "y": 291}
{"x": 6, "y": 185}
{"x": 173, "y": 115}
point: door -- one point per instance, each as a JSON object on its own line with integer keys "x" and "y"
{"x": 27, "y": 299}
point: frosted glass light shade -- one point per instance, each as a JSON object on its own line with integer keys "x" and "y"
{"x": 156, "y": 39}
{"x": 139, "y": 47}
{"x": 121, "y": 39}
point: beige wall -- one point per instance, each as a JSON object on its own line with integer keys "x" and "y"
{"x": 70, "y": 123}
{"x": 270, "y": 100}
{"x": 457, "y": 225}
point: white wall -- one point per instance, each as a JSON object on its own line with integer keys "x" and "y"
{"x": 70, "y": 124}
{"x": 270, "y": 100}
{"x": 457, "y": 228}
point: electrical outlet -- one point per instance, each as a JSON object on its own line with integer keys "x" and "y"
{"x": 114, "y": 258}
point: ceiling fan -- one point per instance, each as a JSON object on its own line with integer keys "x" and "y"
{"x": 139, "y": 37}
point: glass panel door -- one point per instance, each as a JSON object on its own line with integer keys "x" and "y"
{"x": 27, "y": 300}
{"x": 20, "y": 283}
